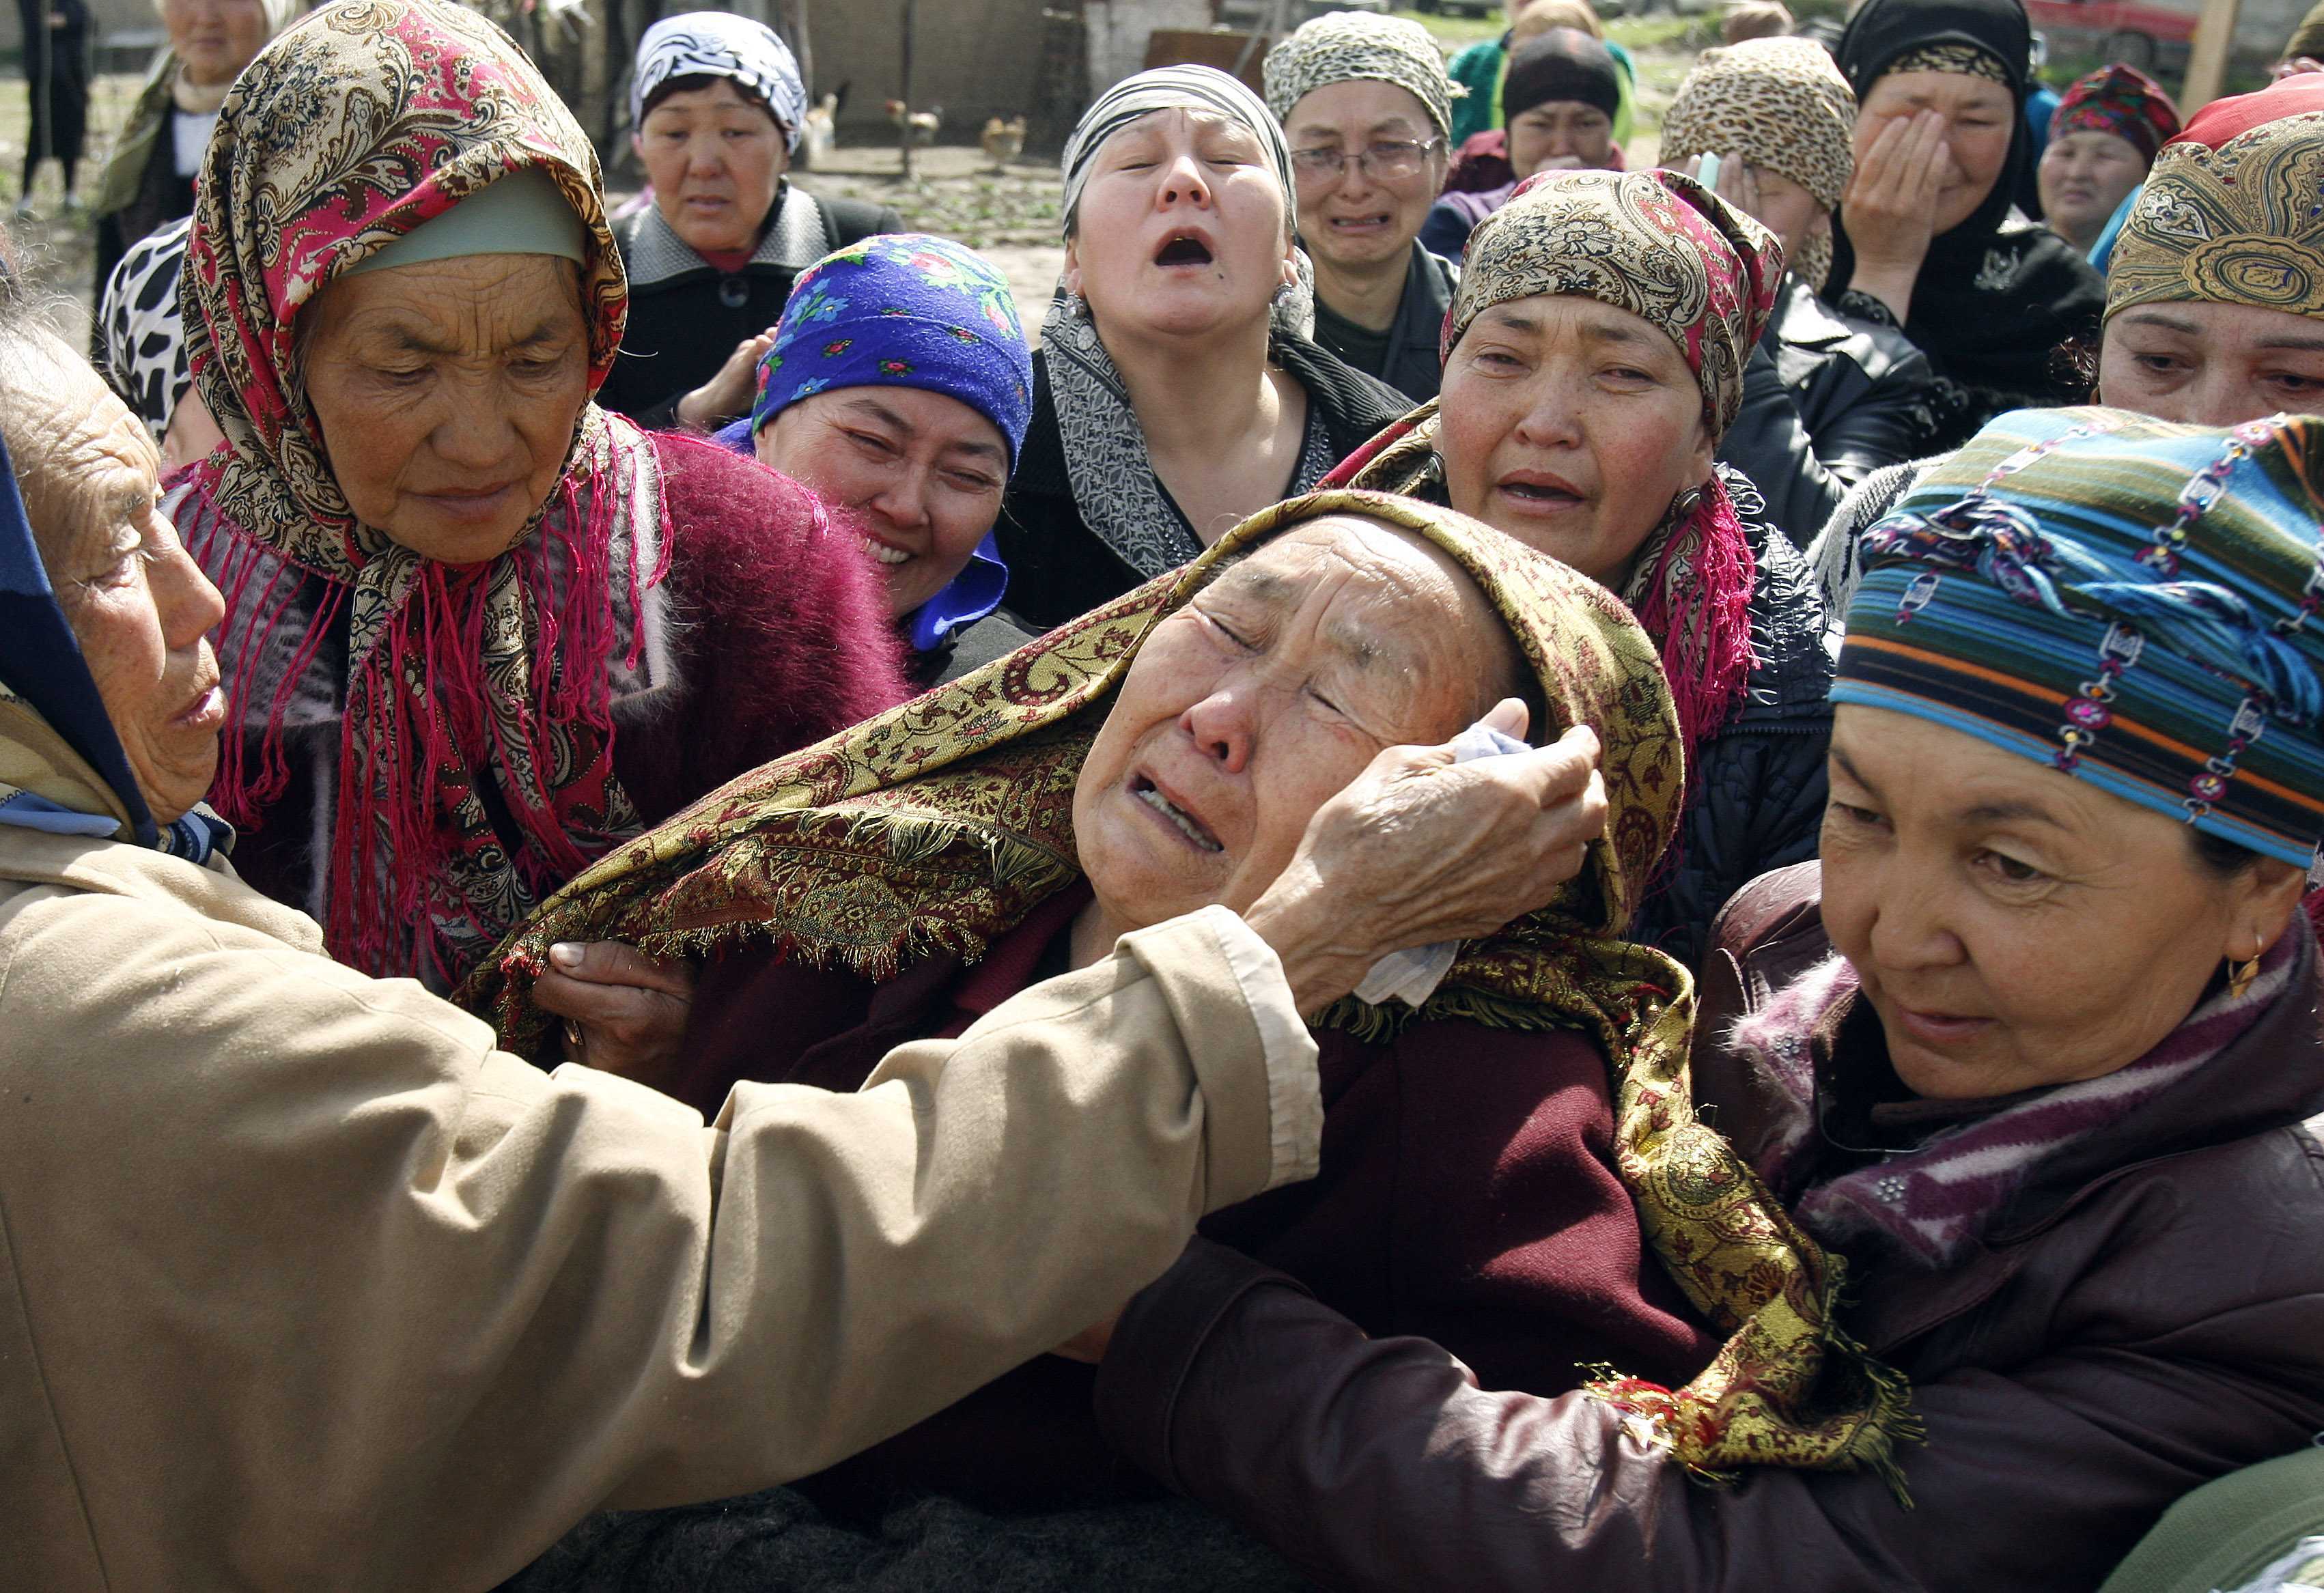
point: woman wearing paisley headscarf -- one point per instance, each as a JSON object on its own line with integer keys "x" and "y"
{"x": 1833, "y": 400}
{"x": 2103, "y": 138}
{"x": 1487, "y": 1155}
{"x": 1593, "y": 358}
{"x": 2035, "y": 1047}
{"x": 478, "y": 631}
{"x": 716, "y": 110}
{"x": 2215, "y": 293}
{"x": 1177, "y": 389}
{"x": 1928, "y": 239}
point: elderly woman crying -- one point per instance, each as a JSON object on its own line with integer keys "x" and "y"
{"x": 478, "y": 631}
{"x": 1593, "y": 360}
{"x": 2035, "y": 1048}
{"x": 1160, "y": 754}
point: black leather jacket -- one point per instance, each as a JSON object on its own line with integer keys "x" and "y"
{"x": 1826, "y": 401}
{"x": 1756, "y": 801}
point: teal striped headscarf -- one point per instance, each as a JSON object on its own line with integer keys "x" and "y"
{"x": 2131, "y": 601}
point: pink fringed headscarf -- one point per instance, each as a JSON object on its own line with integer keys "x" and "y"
{"x": 354, "y": 127}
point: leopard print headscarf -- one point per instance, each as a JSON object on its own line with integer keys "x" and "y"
{"x": 1780, "y": 104}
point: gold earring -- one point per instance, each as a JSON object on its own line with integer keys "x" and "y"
{"x": 2240, "y": 976}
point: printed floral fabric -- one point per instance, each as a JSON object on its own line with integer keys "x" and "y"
{"x": 902, "y": 310}
{"x": 2121, "y": 100}
{"x": 939, "y": 825}
{"x": 354, "y": 127}
{"x": 1655, "y": 244}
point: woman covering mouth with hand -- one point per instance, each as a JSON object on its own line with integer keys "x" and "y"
{"x": 1594, "y": 359}
{"x": 1176, "y": 389}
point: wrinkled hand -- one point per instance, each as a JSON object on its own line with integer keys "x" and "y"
{"x": 728, "y": 393}
{"x": 1890, "y": 204}
{"x": 629, "y": 1009}
{"x": 1420, "y": 849}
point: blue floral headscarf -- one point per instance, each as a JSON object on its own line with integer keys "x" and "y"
{"x": 903, "y": 309}
{"x": 906, "y": 309}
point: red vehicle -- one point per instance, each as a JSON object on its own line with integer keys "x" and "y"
{"x": 2137, "y": 32}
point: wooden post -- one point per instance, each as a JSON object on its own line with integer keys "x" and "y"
{"x": 2207, "y": 62}
{"x": 911, "y": 17}
{"x": 803, "y": 46}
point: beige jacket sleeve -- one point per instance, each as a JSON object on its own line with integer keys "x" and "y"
{"x": 304, "y": 1284}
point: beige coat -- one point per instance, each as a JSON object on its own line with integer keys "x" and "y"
{"x": 304, "y": 1285}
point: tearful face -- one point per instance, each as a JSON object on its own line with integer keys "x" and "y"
{"x": 1264, "y": 697}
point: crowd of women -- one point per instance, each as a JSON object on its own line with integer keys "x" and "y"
{"x": 1625, "y": 912}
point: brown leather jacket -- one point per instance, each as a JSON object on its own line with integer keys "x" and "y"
{"x": 2146, "y": 1315}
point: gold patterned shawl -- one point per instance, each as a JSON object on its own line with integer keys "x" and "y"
{"x": 939, "y": 825}
{"x": 2237, "y": 224}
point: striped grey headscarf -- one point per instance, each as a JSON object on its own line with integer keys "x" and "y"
{"x": 1205, "y": 89}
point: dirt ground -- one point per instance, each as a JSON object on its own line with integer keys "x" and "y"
{"x": 1007, "y": 213}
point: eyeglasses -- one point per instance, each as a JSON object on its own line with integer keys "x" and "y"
{"x": 1383, "y": 163}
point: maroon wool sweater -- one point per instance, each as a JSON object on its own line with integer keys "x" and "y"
{"x": 1467, "y": 1195}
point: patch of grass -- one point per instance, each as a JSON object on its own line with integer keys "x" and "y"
{"x": 1456, "y": 33}
{"x": 1641, "y": 34}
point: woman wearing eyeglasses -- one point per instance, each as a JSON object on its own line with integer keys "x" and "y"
{"x": 1368, "y": 107}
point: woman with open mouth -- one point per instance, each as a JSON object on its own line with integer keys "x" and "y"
{"x": 478, "y": 631}
{"x": 1177, "y": 389}
{"x": 1368, "y": 108}
{"x": 1593, "y": 360}
{"x": 1164, "y": 753}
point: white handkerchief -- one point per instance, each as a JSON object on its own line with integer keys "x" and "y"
{"x": 1413, "y": 974}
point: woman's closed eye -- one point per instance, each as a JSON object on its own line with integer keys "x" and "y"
{"x": 1233, "y": 631}
{"x": 1848, "y": 812}
{"x": 873, "y": 443}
